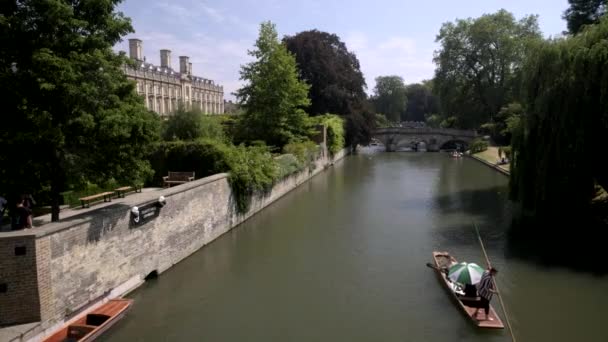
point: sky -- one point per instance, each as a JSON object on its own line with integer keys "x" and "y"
{"x": 389, "y": 37}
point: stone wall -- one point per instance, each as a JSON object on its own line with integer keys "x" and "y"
{"x": 104, "y": 253}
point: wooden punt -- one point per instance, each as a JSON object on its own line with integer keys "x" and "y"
{"x": 91, "y": 324}
{"x": 443, "y": 260}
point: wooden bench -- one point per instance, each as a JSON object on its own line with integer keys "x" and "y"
{"x": 107, "y": 197}
{"x": 120, "y": 192}
{"x": 177, "y": 178}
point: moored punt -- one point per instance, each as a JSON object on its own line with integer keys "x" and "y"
{"x": 442, "y": 261}
{"x": 89, "y": 325}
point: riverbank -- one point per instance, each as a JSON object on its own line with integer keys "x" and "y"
{"x": 64, "y": 267}
{"x": 490, "y": 158}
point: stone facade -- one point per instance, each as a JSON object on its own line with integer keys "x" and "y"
{"x": 164, "y": 89}
{"x": 103, "y": 253}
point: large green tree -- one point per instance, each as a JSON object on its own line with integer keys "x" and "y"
{"x": 71, "y": 115}
{"x": 273, "y": 97}
{"x": 337, "y": 83}
{"x": 478, "y": 65}
{"x": 390, "y": 97}
{"x": 421, "y": 102}
{"x": 558, "y": 164}
{"x": 584, "y": 12}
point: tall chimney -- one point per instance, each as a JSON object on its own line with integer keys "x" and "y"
{"x": 165, "y": 58}
{"x": 136, "y": 49}
{"x": 184, "y": 62}
{"x": 189, "y": 68}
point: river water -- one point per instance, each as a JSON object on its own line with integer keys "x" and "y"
{"x": 342, "y": 258}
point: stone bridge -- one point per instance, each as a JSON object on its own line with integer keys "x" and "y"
{"x": 425, "y": 138}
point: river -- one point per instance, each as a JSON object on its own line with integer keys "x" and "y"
{"x": 342, "y": 258}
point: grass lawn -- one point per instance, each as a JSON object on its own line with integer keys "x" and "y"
{"x": 491, "y": 156}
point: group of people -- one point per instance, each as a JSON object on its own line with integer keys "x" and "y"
{"x": 20, "y": 212}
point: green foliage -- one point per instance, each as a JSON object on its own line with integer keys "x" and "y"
{"x": 205, "y": 157}
{"x": 72, "y": 115}
{"x": 559, "y": 147}
{"x": 479, "y": 63}
{"x": 335, "y": 131}
{"x": 192, "y": 125}
{"x": 287, "y": 165}
{"x": 305, "y": 152}
{"x": 273, "y": 96}
{"x": 420, "y": 102}
{"x": 390, "y": 97}
{"x": 252, "y": 170}
{"x": 434, "y": 120}
{"x": 582, "y": 13}
{"x": 478, "y": 145}
{"x": 337, "y": 83}
{"x": 382, "y": 121}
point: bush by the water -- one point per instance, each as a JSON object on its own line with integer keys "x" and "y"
{"x": 252, "y": 170}
{"x": 305, "y": 152}
{"x": 478, "y": 145}
{"x": 335, "y": 130}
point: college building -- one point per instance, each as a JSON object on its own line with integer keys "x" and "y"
{"x": 164, "y": 89}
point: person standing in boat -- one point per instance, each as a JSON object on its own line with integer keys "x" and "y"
{"x": 485, "y": 289}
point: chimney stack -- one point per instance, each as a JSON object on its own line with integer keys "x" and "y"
{"x": 165, "y": 58}
{"x": 136, "y": 49}
{"x": 189, "y": 68}
{"x": 184, "y": 64}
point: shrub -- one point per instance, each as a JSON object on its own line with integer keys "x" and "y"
{"x": 305, "y": 151}
{"x": 191, "y": 125}
{"x": 478, "y": 145}
{"x": 335, "y": 130}
{"x": 287, "y": 164}
{"x": 382, "y": 121}
{"x": 205, "y": 157}
{"x": 252, "y": 170}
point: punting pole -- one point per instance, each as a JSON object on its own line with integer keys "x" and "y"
{"x": 502, "y": 304}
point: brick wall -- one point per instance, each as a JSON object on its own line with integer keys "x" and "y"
{"x": 85, "y": 258}
{"x": 19, "y": 300}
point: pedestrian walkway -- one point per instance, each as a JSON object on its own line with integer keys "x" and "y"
{"x": 69, "y": 212}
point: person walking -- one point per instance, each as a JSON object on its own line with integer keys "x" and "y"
{"x": 485, "y": 289}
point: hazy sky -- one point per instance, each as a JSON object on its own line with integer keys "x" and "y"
{"x": 390, "y": 37}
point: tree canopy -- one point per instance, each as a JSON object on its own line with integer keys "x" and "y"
{"x": 337, "y": 83}
{"x": 273, "y": 97}
{"x": 421, "y": 102}
{"x": 71, "y": 115}
{"x": 390, "y": 97}
{"x": 584, "y": 12}
{"x": 478, "y": 65}
{"x": 557, "y": 152}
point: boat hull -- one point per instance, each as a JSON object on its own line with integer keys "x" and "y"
{"x": 440, "y": 261}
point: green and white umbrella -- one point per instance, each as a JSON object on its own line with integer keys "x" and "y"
{"x": 465, "y": 273}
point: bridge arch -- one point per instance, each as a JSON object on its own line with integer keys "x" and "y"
{"x": 434, "y": 139}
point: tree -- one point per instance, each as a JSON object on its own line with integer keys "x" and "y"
{"x": 337, "y": 83}
{"x": 71, "y": 114}
{"x": 390, "y": 97}
{"x": 273, "y": 98}
{"x": 584, "y": 12}
{"x": 421, "y": 102}
{"x": 558, "y": 143}
{"x": 191, "y": 125}
{"x": 478, "y": 65}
